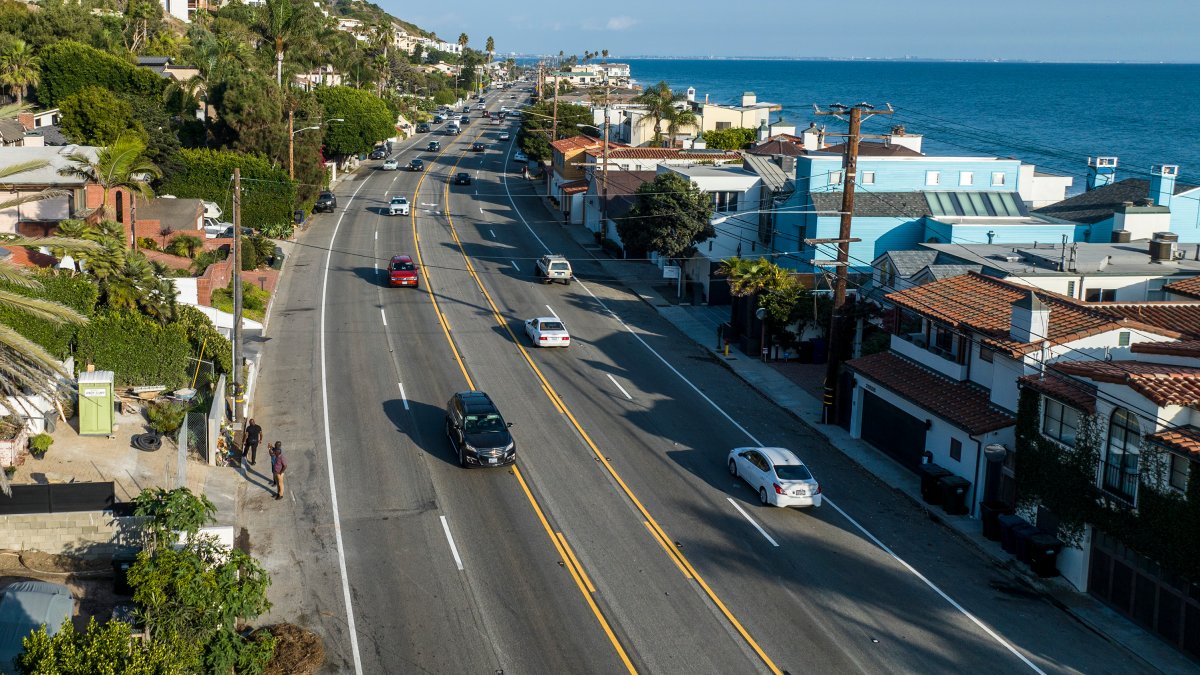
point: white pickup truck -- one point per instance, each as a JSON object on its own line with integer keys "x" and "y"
{"x": 553, "y": 267}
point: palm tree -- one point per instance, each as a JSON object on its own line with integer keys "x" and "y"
{"x": 748, "y": 276}
{"x": 279, "y": 24}
{"x": 490, "y": 48}
{"x": 463, "y": 40}
{"x": 604, "y": 53}
{"x": 18, "y": 69}
{"x": 121, "y": 165}
{"x": 678, "y": 117}
{"x": 659, "y": 102}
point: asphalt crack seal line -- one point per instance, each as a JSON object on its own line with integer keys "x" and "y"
{"x": 574, "y": 567}
{"x": 673, "y": 552}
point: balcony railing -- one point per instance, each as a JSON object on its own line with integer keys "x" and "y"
{"x": 1120, "y": 481}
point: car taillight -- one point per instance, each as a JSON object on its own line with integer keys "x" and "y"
{"x": 818, "y": 489}
{"x": 778, "y": 489}
{"x": 542, "y": 338}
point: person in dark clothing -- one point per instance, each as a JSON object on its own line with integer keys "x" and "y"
{"x": 253, "y": 438}
{"x": 278, "y": 467}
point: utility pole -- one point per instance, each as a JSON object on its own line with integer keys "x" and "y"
{"x": 604, "y": 169}
{"x": 554, "y": 113}
{"x": 291, "y": 144}
{"x": 849, "y": 179}
{"x": 237, "y": 292}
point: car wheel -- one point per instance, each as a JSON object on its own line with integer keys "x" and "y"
{"x": 733, "y": 468}
{"x": 462, "y": 458}
{"x": 762, "y": 496}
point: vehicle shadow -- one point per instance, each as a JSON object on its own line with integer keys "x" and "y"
{"x": 375, "y": 277}
{"x": 424, "y": 425}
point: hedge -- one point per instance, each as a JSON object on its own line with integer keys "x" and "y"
{"x": 268, "y": 195}
{"x": 73, "y": 290}
{"x": 69, "y": 66}
{"x": 202, "y": 334}
{"x": 137, "y": 349}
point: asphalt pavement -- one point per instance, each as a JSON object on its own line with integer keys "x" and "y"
{"x": 619, "y": 541}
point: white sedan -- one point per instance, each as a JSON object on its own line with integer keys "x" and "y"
{"x": 778, "y": 475}
{"x": 504, "y": 136}
{"x": 519, "y": 156}
{"x": 390, "y": 165}
{"x": 547, "y": 331}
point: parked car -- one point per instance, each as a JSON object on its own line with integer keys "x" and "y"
{"x": 462, "y": 178}
{"x": 778, "y": 475}
{"x": 478, "y": 147}
{"x": 326, "y": 201}
{"x": 378, "y": 153}
{"x": 398, "y": 207}
{"x": 519, "y": 156}
{"x": 423, "y": 128}
{"x": 416, "y": 165}
{"x": 390, "y": 165}
{"x": 477, "y": 431}
{"x": 434, "y": 146}
{"x": 402, "y": 271}
{"x": 547, "y": 331}
{"x": 504, "y": 136}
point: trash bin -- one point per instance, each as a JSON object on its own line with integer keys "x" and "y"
{"x": 1043, "y": 554}
{"x": 121, "y": 562}
{"x": 1007, "y": 522}
{"x": 989, "y": 514}
{"x": 930, "y": 474}
{"x": 1022, "y": 534}
{"x": 277, "y": 259}
{"x": 954, "y": 494}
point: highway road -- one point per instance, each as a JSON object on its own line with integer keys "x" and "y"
{"x": 619, "y": 541}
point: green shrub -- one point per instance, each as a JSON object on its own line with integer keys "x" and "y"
{"x": 265, "y": 248}
{"x": 166, "y": 416}
{"x": 138, "y": 350}
{"x": 185, "y": 245}
{"x": 69, "y": 66}
{"x": 206, "y": 258}
{"x": 147, "y": 243}
{"x": 76, "y": 291}
{"x": 267, "y": 194}
{"x": 249, "y": 255}
{"x": 39, "y": 444}
{"x": 254, "y": 300}
{"x": 203, "y": 335}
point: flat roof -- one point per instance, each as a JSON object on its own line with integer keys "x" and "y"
{"x": 1045, "y": 259}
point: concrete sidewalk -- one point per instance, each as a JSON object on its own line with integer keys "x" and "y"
{"x": 699, "y": 323}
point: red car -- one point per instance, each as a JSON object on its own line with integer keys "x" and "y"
{"x": 402, "y": 271}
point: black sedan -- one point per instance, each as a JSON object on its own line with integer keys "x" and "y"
{"x": 478, "y": 147}
{"x": 462, "y": 178}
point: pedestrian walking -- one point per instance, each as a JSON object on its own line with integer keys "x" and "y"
{"x": 278, "y": 467}
{"x": 253, "y": 437}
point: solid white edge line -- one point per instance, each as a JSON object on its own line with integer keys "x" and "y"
{"x": 450, "y": 539}
{"x": 403, "y": 396}
{"x": 333, "y": 500}
{"x": 752, "y": 522}
{"x": 618, "y": 384}
{"x": 827, "y": 500}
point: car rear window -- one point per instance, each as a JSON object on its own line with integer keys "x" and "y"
{"x": 560, "y": 266}
{"x": 792, "y": 472}
{"x": 552, "y": 325}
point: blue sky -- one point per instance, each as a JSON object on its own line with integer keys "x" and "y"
{"x": 1051, "y": 30}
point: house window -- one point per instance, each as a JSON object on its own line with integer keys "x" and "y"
{"x": 724, "y": 125}
{"x": 835, "y": 177}
{"x": 966, "y": 177}
{"x": 986, "y": 355}
{"x": 120, "y": 206}
{"x": 1180, "y": 466}
{"x": 933, "y": 177}
{"x": 1123, "y": 339}
{"x": 724, "y": 202}
{"x": 1101, "y": 295}
{"x": 956, "y": 449}
{"x": 868, "y": 178}
{"x": 1121, "y": 462}
{"x": 1071, "y": 288}
{"x": 997, "y": 178}
{"x": 1060, "y": 422}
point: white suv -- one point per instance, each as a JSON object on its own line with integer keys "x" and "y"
{"x": 398, "y": 207}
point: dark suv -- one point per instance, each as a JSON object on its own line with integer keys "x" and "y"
{"x": 325, "y": 202}
{"x": 478, "y": 433}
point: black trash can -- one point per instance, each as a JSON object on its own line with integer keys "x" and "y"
{"x": 989, "y": 514}
{"x": 1043, "y": 554}
{"x": 1022, "y": 534}
{"x": 954, "y": 494}
{"x": 930, "y": 474}
{"x": 121, "y": 562}
{"x": 1008, "y": 523}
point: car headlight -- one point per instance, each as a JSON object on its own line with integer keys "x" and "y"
{"x": 468, "y": 447}
{"x": 510, "y": 446}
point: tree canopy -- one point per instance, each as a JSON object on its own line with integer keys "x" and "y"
{"x": 669, "y": 217}
{"x": 734, "y": 138}
{"x": 367, "y": 120}
{"x": 69, "y": 66}
{"x": 538, "y": 120}
{"x": 95, "y": 116}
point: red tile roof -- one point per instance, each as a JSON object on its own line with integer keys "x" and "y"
{"x": 565, "y": 145}
{"x": 1181, "y": 348}
{"x": 1161, "y": 383}
{"x": 574, "y": 187}
{"x": 962, "y": 404}
{"x": 23, "y": 257}
{"x": 666, "y": 153}
{"x": 1184, "y": 439}
{"x": 983, "y": 304}
{"x": 1189, "y": 287}
{"x": 1081, "y": 395}
{"x": 1181, "y": 316}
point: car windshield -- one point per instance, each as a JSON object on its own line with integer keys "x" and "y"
{"x": 552, "y": 325}
{"x": 792, "y": 472}
{"x": 485, "y": 424}
{"x": 326, "y": 195}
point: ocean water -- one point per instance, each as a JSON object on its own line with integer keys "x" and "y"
{"x": 1051, "y": 115}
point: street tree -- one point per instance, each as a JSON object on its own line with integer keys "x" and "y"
{"x": 368, "y": 120}
{"x": 463, "y": 40}
{"x": 669, "y": 217}
{"x": 95, "y": 116}
{"x": 537, "y": 123}
{"x": 490, "y": 48}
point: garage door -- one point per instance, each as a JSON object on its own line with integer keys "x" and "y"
{"x": 898, "y": 434}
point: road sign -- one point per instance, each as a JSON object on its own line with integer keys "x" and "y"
{"x": 671, "y": 271}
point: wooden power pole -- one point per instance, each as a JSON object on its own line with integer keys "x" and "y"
{"x": 237, "y": 293}
{"x": 850, "y": 179}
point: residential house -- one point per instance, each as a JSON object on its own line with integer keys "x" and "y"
{"x": 566, "y": 175}
{"x": 41, "y": 127}
{"x": 1136, "y": 271}
{"x": 185, "y": 10}
{"x": 73, "y": 197}
{"x": 602, "y": 208}
{"x": 1112, "y": 210}
{"x": 1184, "y": 289}
{"x": 319, "y": 76}
{"x": 749, "y": 114}
{"x": 1144, "y": 414}
{"x": 164, "y": 66}
{"x": 947, "y": 387}
{"x": 649, "y": 159}
{"x": 164, "y": 218}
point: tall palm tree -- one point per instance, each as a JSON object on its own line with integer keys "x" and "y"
{"x": 463, "y": 40}
{"x": 659, "y": 102}
{"x": 122, "y": 164}
{"x": 678, "y": 117}
{"x": 279, "y": 24}
{"x": 19, "y": 69}
{"x": 604, "y": 53}
{"x": 748, "y": 276}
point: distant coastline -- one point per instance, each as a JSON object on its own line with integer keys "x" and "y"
{"x": 868, "y": 59}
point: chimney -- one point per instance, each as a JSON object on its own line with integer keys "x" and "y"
{"x": 691, "y": 94}
{"x": 787, "y": 163}
{"x": 26, "y": 120}
{"x": 763, "y": 131}
{"x": 810, "y": 138}
{"x": 1030, "y": 320}
{"x": 1162, "y": 183}
{"x": 1101, "y": 171}
{"x": 748, "y": 99}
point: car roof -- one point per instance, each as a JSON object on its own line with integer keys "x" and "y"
{"x": 399, "y": 199}
{"x": 777, "y": 455}
{"x": 401, "y": 258}
{"x": 546, "y": 318}
{"x": 476, "y": 402}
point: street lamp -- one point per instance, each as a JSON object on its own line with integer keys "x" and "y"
{"x": 603, "y": 178}
{"x": 292, "y": 137}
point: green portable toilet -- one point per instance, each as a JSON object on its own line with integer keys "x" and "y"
{"x": 96, "y": 407}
